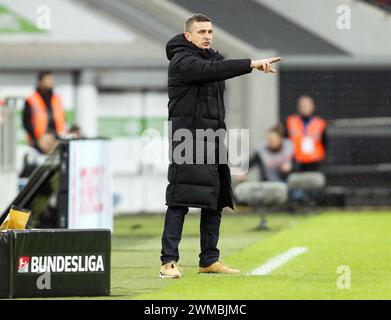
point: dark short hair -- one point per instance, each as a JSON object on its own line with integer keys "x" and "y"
{"x": 75, "y": 127}
{"x": 42, "y": 74}
{"x": 277, "y": 129}
{"x": 197, "y": 17}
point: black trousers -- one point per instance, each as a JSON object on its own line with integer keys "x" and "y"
{"x": 209, "y": 235}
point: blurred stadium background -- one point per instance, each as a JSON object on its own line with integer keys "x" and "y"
{"x": 110, "y": 66}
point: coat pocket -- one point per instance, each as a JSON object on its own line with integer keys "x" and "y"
{"x": 171, "y": 176}
{"x": 172, "y": 171}
{"x": 200, "y": 103}
{"x": 212, "y": 107}
{"x": 196, "y": 114}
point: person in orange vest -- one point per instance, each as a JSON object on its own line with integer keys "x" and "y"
{"x": 308, "y": 135}
{"x": 43, "y": 114}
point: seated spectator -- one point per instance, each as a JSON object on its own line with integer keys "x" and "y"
{"x": 35, "y": 157}
{"x": 75, "y": 132}
{"x": 274, "y": 157}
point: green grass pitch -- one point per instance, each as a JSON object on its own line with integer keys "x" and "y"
{"x": 360, "y": 241}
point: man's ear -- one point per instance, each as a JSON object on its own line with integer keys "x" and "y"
{"x": 187, "y": 36}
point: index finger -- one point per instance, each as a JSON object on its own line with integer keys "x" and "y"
{"x": 274, "y": 59}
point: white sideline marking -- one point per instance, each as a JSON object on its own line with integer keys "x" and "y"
{"x": 277, "y": 261}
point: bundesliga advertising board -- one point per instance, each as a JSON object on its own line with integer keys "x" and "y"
{"x": 195, "y": 158}
{"x": 60, "y": 262}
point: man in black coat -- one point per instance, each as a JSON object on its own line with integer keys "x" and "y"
{"x": 198, "y": 173}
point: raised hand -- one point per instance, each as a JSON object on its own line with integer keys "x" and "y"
{"x": 265, "y": 65}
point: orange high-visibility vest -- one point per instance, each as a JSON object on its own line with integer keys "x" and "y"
{"x": 39, "y": 117}
{"x": 307, "y": 141}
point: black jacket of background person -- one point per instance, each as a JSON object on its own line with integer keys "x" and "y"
{"x": 47, "y": 98}
{"x": 195, "y": 90}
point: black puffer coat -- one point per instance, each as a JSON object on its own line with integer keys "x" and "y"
{"x": 195, "y": 90}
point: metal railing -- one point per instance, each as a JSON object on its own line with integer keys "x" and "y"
{"x": 8, "y": 136}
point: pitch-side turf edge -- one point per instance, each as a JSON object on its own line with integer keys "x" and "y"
{"x": 277, "y": 261}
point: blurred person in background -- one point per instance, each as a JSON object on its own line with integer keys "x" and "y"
{"x": 75, "y": 132}
{"x": 43, "y": 115}
{"x": 273, "y": 157}
{"x": 308, "y": 135}
{"x": 36, "y": 157}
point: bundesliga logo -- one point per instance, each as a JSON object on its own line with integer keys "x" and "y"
{"x": 23, "y": 264}
{"x": 60, "y": 264}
